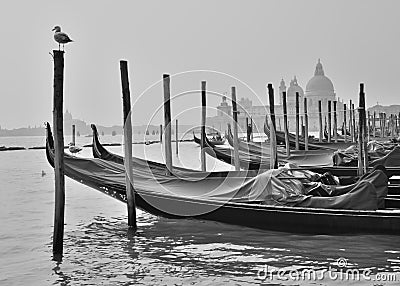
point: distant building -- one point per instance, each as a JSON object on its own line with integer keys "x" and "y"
{"x": 81, "y": 126}
{"x": 390, "y": 109}
{"x": 318, "y": 88}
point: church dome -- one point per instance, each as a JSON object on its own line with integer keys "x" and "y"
{"x": 319, "y": 82}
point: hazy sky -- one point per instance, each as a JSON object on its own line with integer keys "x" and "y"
{"x": 257, "y": 42}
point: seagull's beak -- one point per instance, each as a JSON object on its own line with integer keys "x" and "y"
{"x": 54, "y": 28}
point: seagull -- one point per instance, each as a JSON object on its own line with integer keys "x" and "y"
{"x": 60, "y": 37}
{"x": 74, "y": 149}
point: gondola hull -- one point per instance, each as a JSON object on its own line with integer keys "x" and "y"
{"x": 276, "y": 218}
{"x": 285, "y": 219}
{"x": 312, "y": 145}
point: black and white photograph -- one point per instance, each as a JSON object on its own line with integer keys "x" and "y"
{"x": 223, "y": 142}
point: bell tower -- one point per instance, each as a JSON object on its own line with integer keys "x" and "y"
{"x": 282, "y": 88}
{"x": 224, "y": 109}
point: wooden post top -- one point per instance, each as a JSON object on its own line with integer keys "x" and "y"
{"x": 58, "y": 53}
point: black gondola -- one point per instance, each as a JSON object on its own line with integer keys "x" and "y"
{"x": 109, "y": 178}
{"x": 313, "y": 144}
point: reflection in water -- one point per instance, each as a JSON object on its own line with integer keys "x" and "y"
{"x": 62, "y": 279}
{"x": 189, "y": 251}
{"x": 99, "y": 249}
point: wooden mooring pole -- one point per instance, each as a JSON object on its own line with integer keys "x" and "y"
{"x": 273, "y": 143}
{"x": 126, "y": 101}
{"x": 306, "y": 125}
{"x": 383, "y": 125}
{"x": 235, "y": 131}
{"x": 335, "y": 135}
{"x": 247, "y": 130}
{"x": 386, "y": 125}
{"x": 354, "y": 122}
{"x": 391, "y": 125}
{"x": 73, "y": 134}
{"x": 329, "y": 121}
{"x": 302, "y": 131}
{"x": 251, "y": 128}
{"x": 297, "y": 110}
{"x": 176, "y": 137}
{"x": 374, "y": 126}
{"x": 167, "y": 124}
{"x": 345, "y": 122}
{"x": 364, "y": 128}
{"x": 321, "y": 128}
{"x": 285, "y": 124}
{"x": 351, "y": 122}
{"x": 368, "y": 127}
{"x": 58, "y": 126}
{"x": 362, "y": 163}
{"x": 203, "y": 126}
{"x": 392, "y": 129}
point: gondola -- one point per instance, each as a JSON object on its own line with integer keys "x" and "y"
{"x": 98, "y": 151}
{"x": 377, "y": 154}
{"x": 317, "y": 164}
{"x": 313, "y": 144}
{"x": 340, "y": 139}
{"x": 13, "y": 148}
{"x": 168, "y": 196}
{"x": 254, "y": 159}
{"x": 346, "y": 175}
{"x": 261, "y": 160}
{"x": 262, "y": 148}
{"x": 280, "y": 140}
{"x": 247, "y": 161}
{"x": 213, "y": 142}
{"x": 225, "y": 154}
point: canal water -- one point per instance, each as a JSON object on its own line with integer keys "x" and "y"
{"x": 99, "y": 249}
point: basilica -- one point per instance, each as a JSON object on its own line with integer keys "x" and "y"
{"x": 318, "y": 88}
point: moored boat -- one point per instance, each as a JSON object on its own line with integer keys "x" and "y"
{"x": 313, "y": 144}
{"x": 12, "y": 148}
{"x": 245, "y": 206}
{"x": 214, "y": 140}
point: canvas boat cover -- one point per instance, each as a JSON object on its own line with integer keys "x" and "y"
{"x": 273, "y": 187}
{"x": 386, "y": 154}
{"x": 280, "y": 187}
{"x": 258, "y": 157}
